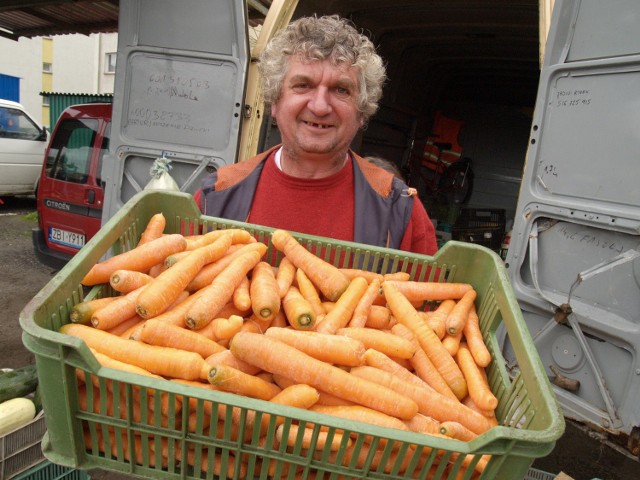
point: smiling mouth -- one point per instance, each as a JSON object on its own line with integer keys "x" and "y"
{"x": 316, "y": 125}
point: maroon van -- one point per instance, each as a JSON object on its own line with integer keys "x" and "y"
{"x": 71, "y": 193}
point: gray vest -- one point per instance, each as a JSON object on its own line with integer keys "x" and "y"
{"x": 378, "y": 220}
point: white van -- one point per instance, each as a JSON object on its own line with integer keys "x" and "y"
{"x": 22, "y": 144}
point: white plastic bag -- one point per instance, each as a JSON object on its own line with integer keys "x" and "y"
{"x": 160, "y": 178}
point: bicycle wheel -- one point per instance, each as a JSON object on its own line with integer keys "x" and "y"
{"x": 456, "y": 182}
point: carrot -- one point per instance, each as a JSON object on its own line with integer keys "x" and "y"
{"x": 140, "y": 258}
{"x": 385, "y": 342}
{"x": 324, "y": 398}
{"x": 475, "y": 341}
{"x": 423, "y": 424}
{"x": 308, "y": 438}
{"x": 225, "y": 357}
{"x": 222, "y": 328}
{"x": 429, "y": 401}
{"x": 378, "y": 459}
{"x": 236, "y": 381}
{"x": 83, "y": 311}
{"x": 109, "y": 362}
{"x": 279, "y": 358}
{"x": 452, "y": 343}
{"x": 419, "y": 291}
{"x": 174, "y": 258}
{"x": 339, "y": 350}
{"x": 352, "y": 273}
{"x": 157, "y": 269}
{"x": 460, "y": 313}
{"x": 298, "y": 311}
{"x": 280, "y": 320}
{"x": 159, "y": 294}
{"x": 210, "y": 271}
{"x": 215, "y": 296}
{"x": 361, "y": 312}
{"x": 265, "y": 297}
{"x": 309, "y": 291}
{"x": 422, "y": 366}
{"x": 436, "y": 322}
{"x": 155, "y": 227}
{"x": 116, "y": 312}
{"x": 285, "y": 276}
{"x": 456, "y": 430}
{"x": 297, "y": 395}
{"x": 164, "y": 334}
{"x": 238, "y": 235}
{"x": 479, "y": 390}
{"x": 327, "y": 278}
{"x": 125, "y": 281}
{"x": 490, "y": 414}
{"x": 374, "y": 358}
{"x": 360, "y": 413}
{"x": 379, "y": 317}
{"x": 397, "y": 277}
{"x": 241, "y": 295}
{"x": 126, "y": 446}
{"x": 165, "y": 361}
{"x": 439, "y": 316}
{"x": 126, "y": 326}
{"x": 176, "y": 313}
{"x": 341, "y": 314}
{"x": 430, "y": 343}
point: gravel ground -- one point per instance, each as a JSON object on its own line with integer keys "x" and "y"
{"x": 578, "y": 453}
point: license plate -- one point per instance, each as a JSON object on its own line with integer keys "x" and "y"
{"x": 64, "y": 237}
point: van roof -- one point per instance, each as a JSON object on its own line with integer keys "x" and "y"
{"x": 98, "y": 109}
{"x": 10, "y": 103}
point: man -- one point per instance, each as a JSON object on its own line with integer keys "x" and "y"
{"x": 323, "y": 81}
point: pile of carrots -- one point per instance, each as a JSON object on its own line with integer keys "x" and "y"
{"x": 208, "y": 311}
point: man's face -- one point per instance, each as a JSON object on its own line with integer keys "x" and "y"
{"x": 316, "y": 112}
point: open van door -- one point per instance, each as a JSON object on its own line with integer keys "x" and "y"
{"x": 574, "y": 257}
{"x": 180, "y": 80}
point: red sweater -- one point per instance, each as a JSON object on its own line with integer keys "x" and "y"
{"x": 325, "y": 207}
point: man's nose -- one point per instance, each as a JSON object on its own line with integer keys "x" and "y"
{"x": 320, "y": 102}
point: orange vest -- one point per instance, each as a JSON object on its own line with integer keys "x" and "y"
{"x": 445, "y": 130}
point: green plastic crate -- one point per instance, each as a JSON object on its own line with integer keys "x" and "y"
{"x": 50, "y": 471}
{"x": 530, "y": 417}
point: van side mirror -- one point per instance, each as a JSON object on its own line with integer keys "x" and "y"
{"x": 43, "y": 135}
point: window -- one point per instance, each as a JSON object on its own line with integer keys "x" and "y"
{"x": 110, "y": 63}
{"x": 47, "y": 67}
{"x": 15, "y": 124}
{"x": 69, "y": 156}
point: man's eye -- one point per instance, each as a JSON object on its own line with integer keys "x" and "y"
{"x": 343, "y": 91}
{"x": 301, "y": 86}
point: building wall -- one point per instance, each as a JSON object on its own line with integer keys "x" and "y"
{"x": 23, "y": 59}
{"x": 77, "y": 67}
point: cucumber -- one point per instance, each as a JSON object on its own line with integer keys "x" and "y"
{"x": 18, "y": 383}
{"x": 15, "y": 413}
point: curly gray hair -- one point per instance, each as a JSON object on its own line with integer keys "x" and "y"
{"x": 328, "y": 37}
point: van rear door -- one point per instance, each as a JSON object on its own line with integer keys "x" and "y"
{"x": 70, "y": 197}
{"x": 573, "y": 258}
{"x": 180, "y": 81}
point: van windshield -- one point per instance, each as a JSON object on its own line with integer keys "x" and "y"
{"x": 15, "y": 124}
{"x": 69, "y": 157}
